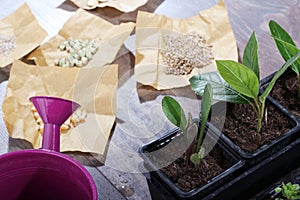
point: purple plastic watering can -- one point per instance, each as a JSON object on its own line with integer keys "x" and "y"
{"x": 46, "y": 174}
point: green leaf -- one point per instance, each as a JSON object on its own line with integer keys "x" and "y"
{"x": 277, "y": 31}
{"x": 278, "y": 189}
{"x": 206, "y": 102}
{"x": 291, "y": 50}
{"x": 195, "y": 158}
{"x": 205, "y": 109}
{"x": 270, "y": 86}
{"x": 279, "y": 35}
{"x": 221, "y": 90}
{"x": 250, "y": 56}
{"x": 239, "y": 77}
{"x": 174, "y": 112}
{"x": 198, "y": 156}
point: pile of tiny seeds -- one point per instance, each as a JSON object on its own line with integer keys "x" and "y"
{"x": 77, "y": 117}
{"x": 184, "y": 52}
{"x": 7, "y": 45}
{"x": 80, "y": 52}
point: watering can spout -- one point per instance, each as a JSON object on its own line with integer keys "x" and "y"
{"x": 54, "y": 112}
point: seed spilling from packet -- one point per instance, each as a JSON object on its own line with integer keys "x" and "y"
{"x": 74, "y": 120}
{"x": 182, "y": 53}
{"x": 80, "y": 52}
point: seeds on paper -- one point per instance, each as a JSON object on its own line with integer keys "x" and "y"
{"x": 181, "y": 54}
{"x": 74, "y": 120}
{"x": 80, "y": 52}
{"x": 92, "y": 3}
{"x": 7, "y": 45}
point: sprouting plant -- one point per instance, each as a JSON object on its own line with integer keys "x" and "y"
{"x": 286, "y": 47}
{"x": 176, "y": 115}
{"x": 289, "y": 191}
{"x": 240, "y": 81}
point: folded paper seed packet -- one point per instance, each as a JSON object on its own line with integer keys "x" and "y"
{"x": 169, "y": 50}
{"x": 16, "y": 36}
{"x": 94, "y": 89}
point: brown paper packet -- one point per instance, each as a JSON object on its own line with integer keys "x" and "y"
{"x": 212, "y": 23}
{"x": 122, "y": 5}
{"x": 93, "y": 88}
{"x": 83, "y": 25}
{"x": 26, "y": 30}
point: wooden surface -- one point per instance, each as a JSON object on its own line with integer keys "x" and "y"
{"x": 139, "y": 118}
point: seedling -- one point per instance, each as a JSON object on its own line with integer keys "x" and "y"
{"x": 176, "y": 115}
{"x": 289, "y": 191}
{"x": 286, "y": 47}
{"x": 240, "y": 81}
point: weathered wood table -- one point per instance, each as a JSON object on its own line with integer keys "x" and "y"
{"x": 139, "y": 116}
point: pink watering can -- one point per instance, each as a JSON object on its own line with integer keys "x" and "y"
{"x": 46, "y": 174}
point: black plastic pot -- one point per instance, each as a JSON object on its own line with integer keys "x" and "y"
{"x": 260, "y": 176}
{"x": 266, "y": 150}
{"x": 201, "y": 191}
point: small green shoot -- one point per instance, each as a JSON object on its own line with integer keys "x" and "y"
{"x": 205, "y": 110}
{"x": 174, "y": 112}
{"x": 289, "y": 191}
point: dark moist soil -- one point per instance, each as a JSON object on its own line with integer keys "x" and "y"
{"x": 285, "y": 92}
{"x": 241, "y": 126}
{"x": 190, "y": 177}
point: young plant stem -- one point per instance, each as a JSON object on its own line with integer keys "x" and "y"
{"x": 259, "y": 110}
{"x": 260, "y": 117}
{"x": 188, "y": 154}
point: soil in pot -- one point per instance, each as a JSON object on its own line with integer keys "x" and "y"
{"x": 241, "y": 126}
{"x": 184, "y": 174}
{"x": 285, "y": 92}
{"x": 188, "y": 177}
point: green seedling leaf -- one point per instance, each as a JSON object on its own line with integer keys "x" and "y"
{"x": 291, "y": 50}
{"x": 221, "y": 90}
{"x": 269, "y": 88}
{"x": 280, "y": 36}
{"x": 239, "y": 77}
{"x": 205, "y": 110}
{"x": 174, "y": 112}
{"x": 290, "y": 191}
{"x": 192, "y": 131}
{"x": 278, "y": 189}
{"x": 250, "y": 56}
{"x": 279, "y": 32}
{"x": 195, "y": 158}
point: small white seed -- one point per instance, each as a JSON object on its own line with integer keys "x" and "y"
{"x": 79, "y": 63}
{"x": 92, "y": 3}
{"x": 93, "y": 50}
{"x": 56, "y": 62}
{"x": 62, "y": 47}
{"x": 41, "y": 128}
{"x": 89, "y": 55}
{"x": 84, "y": 60}
{"x": 64, "y": 127}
